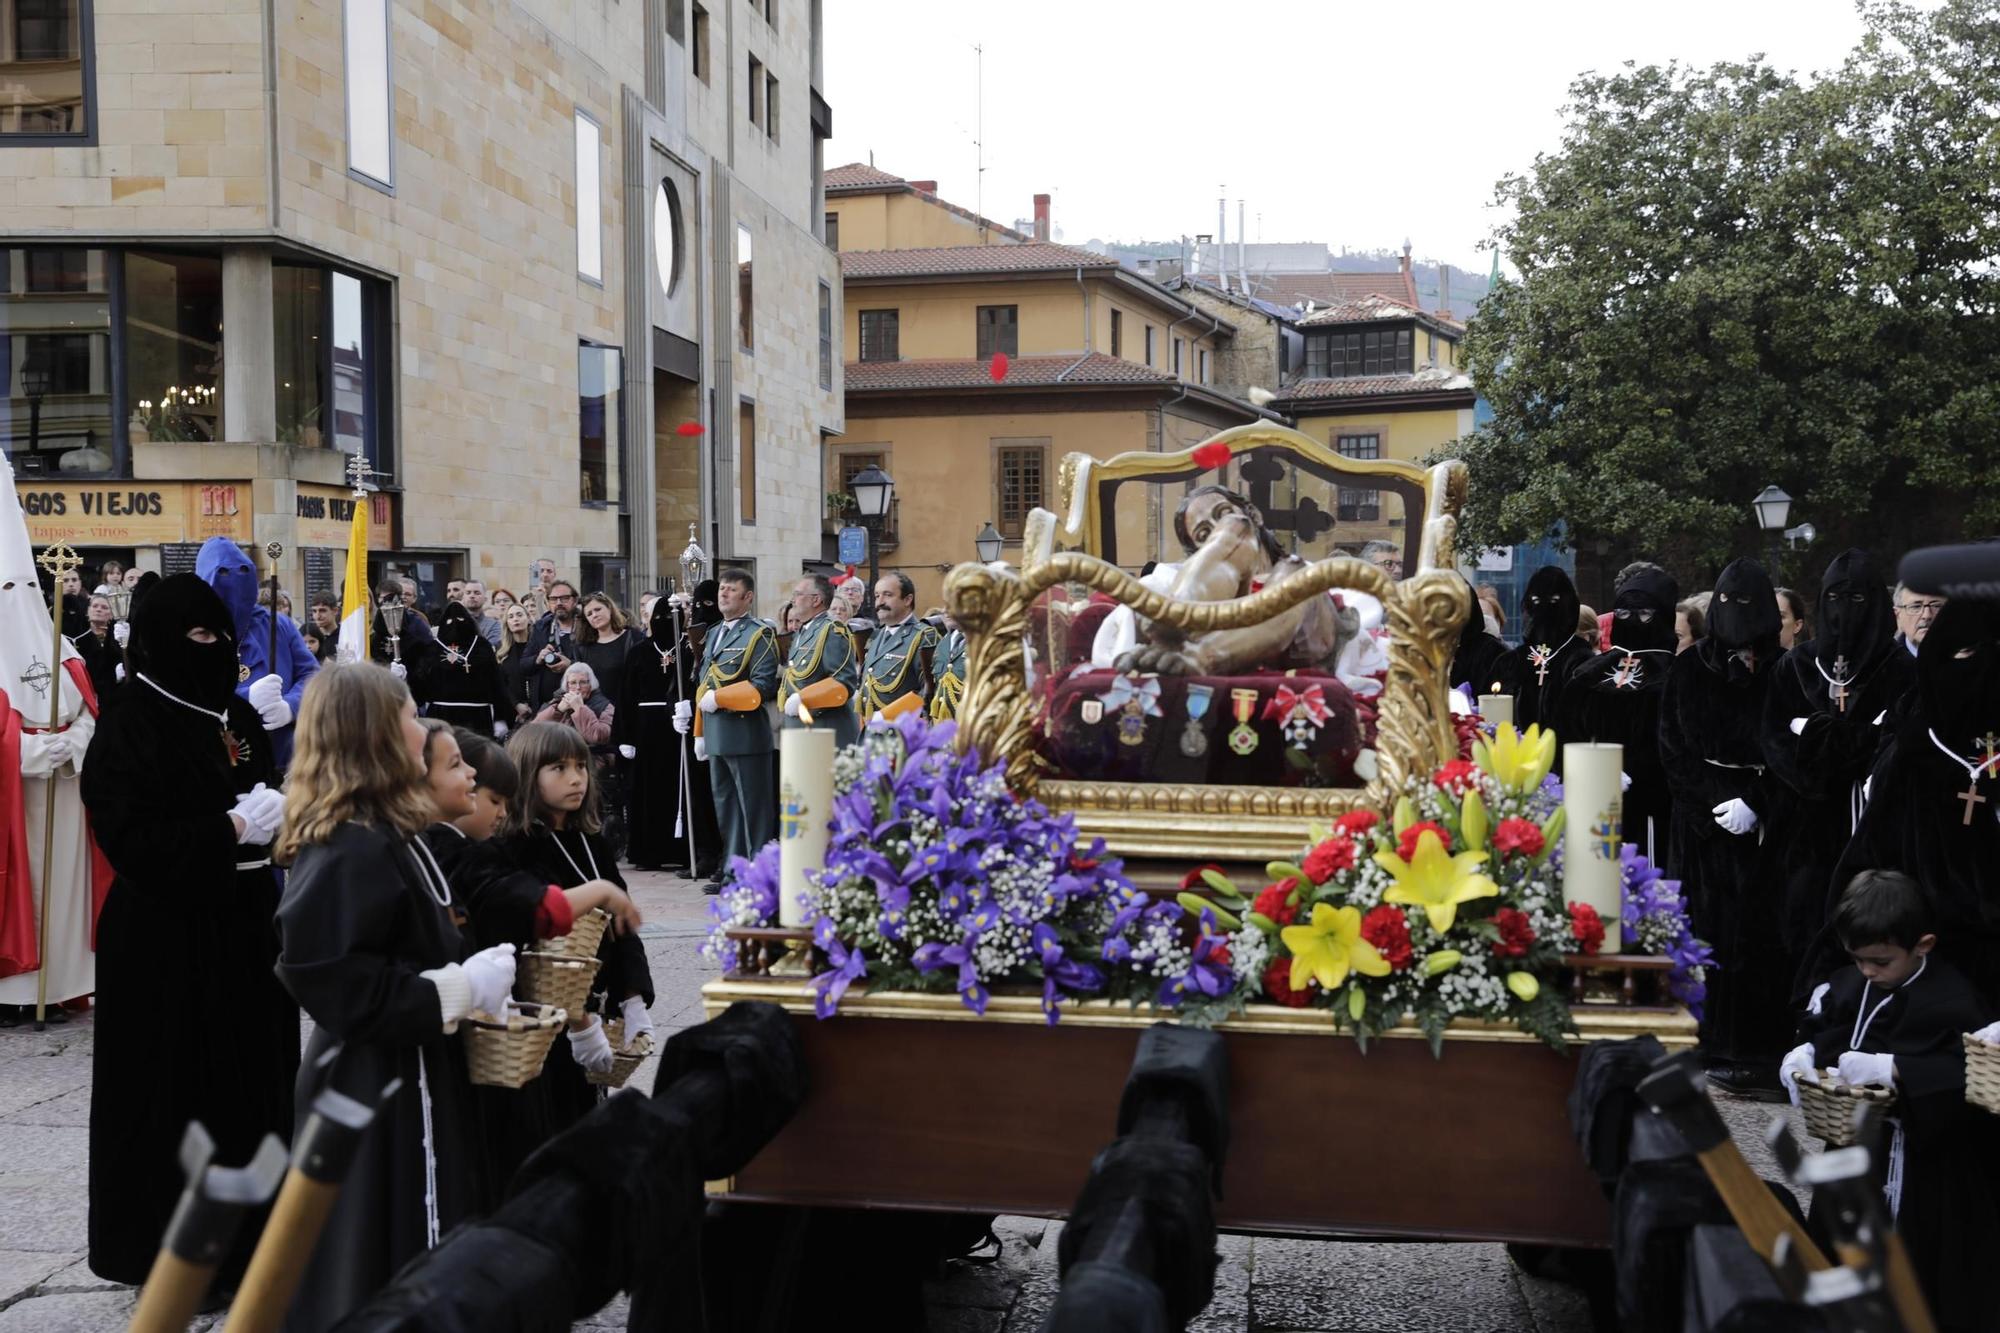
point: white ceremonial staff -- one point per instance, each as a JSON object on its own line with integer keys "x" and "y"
{"x": 59, "y": 560}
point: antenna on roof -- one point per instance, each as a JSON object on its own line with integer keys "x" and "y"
{"x": 979, "y": 137}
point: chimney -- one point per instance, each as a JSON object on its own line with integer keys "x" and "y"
{"x": 1041, "y": 217}
{"x": 1409, "y": 283}
{"x": 924, "y": 187}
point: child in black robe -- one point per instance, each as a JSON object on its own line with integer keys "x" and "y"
{"x": 555, "y": 838}
{"x": 1896, "y": 1019}
{"x": 370, "y": 947}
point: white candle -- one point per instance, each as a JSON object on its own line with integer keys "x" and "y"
{"x": 1496, "y": 708}
{"x": 805, "y": 804}
{"x": 1593, "y": 815}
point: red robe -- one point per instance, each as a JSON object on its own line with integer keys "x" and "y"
{"x": 20, "y": 951}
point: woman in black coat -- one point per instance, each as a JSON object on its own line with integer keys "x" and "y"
{"x": 191, "y": 1023}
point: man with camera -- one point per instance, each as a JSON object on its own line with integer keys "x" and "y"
{"x": 552, "y": 645}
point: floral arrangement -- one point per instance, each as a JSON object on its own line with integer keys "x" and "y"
{"x": 938, "y": 878}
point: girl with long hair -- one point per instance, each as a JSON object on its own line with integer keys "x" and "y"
{"x": 555, "y": 833}
{"x": 370, "y": 947}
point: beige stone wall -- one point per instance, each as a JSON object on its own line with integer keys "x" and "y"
{"x": 1250, "y": 358}
{"x": 181, "y": 120}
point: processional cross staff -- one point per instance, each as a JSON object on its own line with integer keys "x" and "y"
{"x": 59, "y": 560}
{"x": 274, "y": 551}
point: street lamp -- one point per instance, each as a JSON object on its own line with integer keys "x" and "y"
{"x": 1773, "y": 507}
{"x": 35, "y": 382}
{"x": 873, "y": 488}
{"x": 987, "y": 543}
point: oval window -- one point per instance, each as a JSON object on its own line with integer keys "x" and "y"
{"x": 667, "y": 236}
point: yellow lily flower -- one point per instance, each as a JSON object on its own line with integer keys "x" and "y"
{"x": 1516, "y": 760}
{"x": 1436, "y": 880}
{"x": 1325, "y": 950}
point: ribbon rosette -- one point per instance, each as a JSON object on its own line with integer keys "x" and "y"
{"x": 1128, "y": 689}
{"x": 1302, "y": 712}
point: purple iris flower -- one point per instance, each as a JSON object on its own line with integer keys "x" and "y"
{"x": 936, "y": 957}
{"x": 1206, "y": 974}
{"x": 895, "y": 901}
{"x": 849, "y": 966}
{"x": 1061, "y": 973}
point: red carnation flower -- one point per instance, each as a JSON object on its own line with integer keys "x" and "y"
{"x": 1406, "y": 846}
{"x": 1193, "y": 880}
{"x": 1330, "y": 858}
{"x": 1518, "y": 837}
{"x": 1212, "y": 455}
{"x": 1219, "y": 955}
{"x": 1456, "y": 776}
{"x": 1385, "y": 928}
{"x": 1467, "y": 727}
{"x": 1357, "y": 822}
{"x": 1274, "y": 902}
{"x": 1079, "y": 864}
{"x": 1587, "y": 926}
{"x": 1278, "y": 985}
{"x": 1516, "y": 933}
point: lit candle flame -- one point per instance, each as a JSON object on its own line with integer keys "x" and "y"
{"x": 805, "y": 714}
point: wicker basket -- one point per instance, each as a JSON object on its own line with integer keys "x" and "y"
{"x": 551, "y": 979}
{"x": 624, "y": 1059}
{"x": 1982, "y": 1074}
{"x": 583, "y": 937}
{"x": 1829, "y": 1106}
{"x": 506, "y": 1053}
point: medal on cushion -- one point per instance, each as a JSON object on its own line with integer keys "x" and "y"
{"x": 1194, "y": 742}
{"x": 1135, "y": 698}
{"x": 1092, "y": 711}
{"x": 1243, "y": 739}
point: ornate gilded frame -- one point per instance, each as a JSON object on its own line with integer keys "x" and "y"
{"x": 997, "y": 714}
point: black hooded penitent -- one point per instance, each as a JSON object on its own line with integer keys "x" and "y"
{"x": 1614, "y": 698}
{"x": 1537, "y": 673}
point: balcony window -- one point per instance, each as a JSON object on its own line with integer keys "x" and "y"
{"x": 55, "y": 361}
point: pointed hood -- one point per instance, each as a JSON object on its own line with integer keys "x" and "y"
{"x": 1856, "y": 621}
{"x": 1642, "y": 611}
{"x": 27, "y": 634}
{"x": 456, "y": 628}
{"x": 1551, "y": 606}
{"x": 223, "y": 566}
{"x": 1744, "y": 610}
{"x": 1958, "y": 674}
{"x": 160, "y": 649}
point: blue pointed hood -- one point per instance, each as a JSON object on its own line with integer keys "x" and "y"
{"x": 223, "y": 567}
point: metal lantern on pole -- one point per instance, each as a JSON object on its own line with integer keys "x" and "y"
{"x": 1773, "y": 507}
{"x": 988, "y": 544}
{"x": 694, "y": 563}
{"x": 873, "y": 489}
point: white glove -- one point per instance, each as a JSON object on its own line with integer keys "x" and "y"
{"x": 708, "y": 704}
{"x": 1735, "y": 816}
{"x": 1990, "y": 1034}
{"x": 490, "y": 974}
{"x": 792, "y": 706}
{"x": 119, "y": 672}
{"x": 591, "y": 1048}
{"x": 499, "y": 730}
{"x": 1798, "y": 726}
{"x": 683, "y": 715}
{"x": 399, "y": 671}
{"x": 121, "y": 632}
{"x": 1818, "y": 997}
{"x": 1861, "y": 1069}
{"x": 260, "y": 809}
{"x": 637, "y": 1019}
{"x": 701, "y": 747}
{"x": 57, "y": 750}
{"x": 683, "y": 724}
{"x": 267, "y": 696}
{"x": 1797, "y": 1064}
{"x": 1624, "y": 783}
{"x": 628, "y": 752}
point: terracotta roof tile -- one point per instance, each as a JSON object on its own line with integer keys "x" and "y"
{"x": 1031, "y": 258}
{"x": 1431, "y": 379}
{"x": 1330, "y": 288}
{"x": 860, "y": 176}
{"x": 1022, "y": 372}
{"x": 1356, "y": 311}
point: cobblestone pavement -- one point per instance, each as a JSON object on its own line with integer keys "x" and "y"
{"x": 1263, "y": 1284}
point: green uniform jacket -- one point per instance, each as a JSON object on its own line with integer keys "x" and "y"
{"x": 823, "y": 649}
{"x": 948, "y": 671}
{"x": 745, "y": 649}
{"x": 899, "y": 662}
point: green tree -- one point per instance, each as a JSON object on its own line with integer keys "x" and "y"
{"x": 1734, "y": 276}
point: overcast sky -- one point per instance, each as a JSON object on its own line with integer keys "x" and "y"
{"x": 1358, "y": 125}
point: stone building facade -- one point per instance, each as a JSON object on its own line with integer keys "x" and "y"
{"x": 500, "y": 248}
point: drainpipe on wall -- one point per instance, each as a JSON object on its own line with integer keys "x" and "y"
{"x": 1083, "y": 294}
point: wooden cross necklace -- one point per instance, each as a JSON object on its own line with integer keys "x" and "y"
{"x": 1973, "y": 772}
{"x": 1539, "y": 657}
{"x": 1838, "y": 682}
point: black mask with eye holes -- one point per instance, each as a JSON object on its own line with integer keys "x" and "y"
{"x": 1744, "y": 610}
{"x": 1856, "y": 622}
{"x": 1642, "y": 616}
{"x": 1958, "y": 675}
{"x": 201, "y": 673}
{"x": 1551, "y": 606}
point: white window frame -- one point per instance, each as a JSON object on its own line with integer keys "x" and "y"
{"x": 361, "y": 20}
{"x": 589, "y": 198}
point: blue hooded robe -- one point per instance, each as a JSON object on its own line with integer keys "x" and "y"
{"x": 224, "y": 567}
